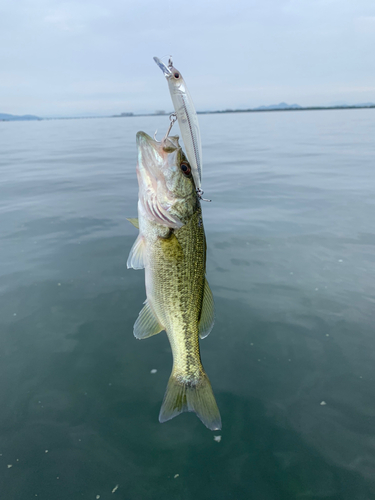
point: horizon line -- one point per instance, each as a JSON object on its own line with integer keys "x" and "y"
{"x": 261, "y": 109}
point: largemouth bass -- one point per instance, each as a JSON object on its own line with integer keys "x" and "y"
{"x": 187, "y": 118}
{"x": 171, "y": 247}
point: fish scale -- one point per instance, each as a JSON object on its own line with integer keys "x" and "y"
{"x": 180, "y": 292}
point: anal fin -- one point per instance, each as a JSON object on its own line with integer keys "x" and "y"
{"x": 147, "y": 323}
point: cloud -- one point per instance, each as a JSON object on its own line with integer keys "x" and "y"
{"x": 365, "y": 24}
{"x": 232, "y": 54}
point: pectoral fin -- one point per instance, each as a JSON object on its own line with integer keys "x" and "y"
{"x": 147, "y": 323}
{"x": 208, "y": 312}
{"x": 136, "y": 258}
{"x": 134, "y": 222}
{"x": 172, "y": 250}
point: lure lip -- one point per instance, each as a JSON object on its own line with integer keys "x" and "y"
{"x": 167, "y": 72}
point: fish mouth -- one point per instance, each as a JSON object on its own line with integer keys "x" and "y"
{"x": 153, "y": 154}
{"x": 142, "y": 137}
{"x": 146, "y": 146}
{"x": 154, "y": 160}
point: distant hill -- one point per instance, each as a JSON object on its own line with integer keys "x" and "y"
{"x": 365, "y": 105}
{"x": 6, "y": 117}
{"x": 282, "y": 105}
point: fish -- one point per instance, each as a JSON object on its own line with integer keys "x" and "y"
{"x": 171, "y": 248}
{"x": 187, "y": 118}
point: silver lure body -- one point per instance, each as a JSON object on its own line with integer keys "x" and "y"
{"x": 187, "y": 118}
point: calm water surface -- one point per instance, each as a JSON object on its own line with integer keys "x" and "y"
{"x": 291, "y": 263}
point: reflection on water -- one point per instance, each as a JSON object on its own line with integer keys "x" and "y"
{"x": 290, "y": 262}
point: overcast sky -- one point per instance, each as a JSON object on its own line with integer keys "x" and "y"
{"x": 94, "y": 57}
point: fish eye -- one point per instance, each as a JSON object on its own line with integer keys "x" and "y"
{"x": 177, "y": 75}
{"x": 185, "y": 168}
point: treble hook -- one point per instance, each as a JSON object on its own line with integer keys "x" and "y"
{"x": 199, "y": 193}
{"x": 172, "y": 119}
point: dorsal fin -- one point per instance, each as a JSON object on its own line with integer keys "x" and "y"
{"x": 208, "y": 312}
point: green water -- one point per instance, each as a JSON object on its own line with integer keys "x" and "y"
{"x": 291, "y": 261}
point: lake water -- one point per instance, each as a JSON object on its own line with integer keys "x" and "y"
{"x": 291, "y": 263}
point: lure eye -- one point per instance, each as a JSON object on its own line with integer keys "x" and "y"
{"x": 177, "y": 75}
{"x": 185, "y": 168}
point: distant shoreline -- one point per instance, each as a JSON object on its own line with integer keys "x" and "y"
{"x": 309, "y": 108}
{"x": 250, "y": 110}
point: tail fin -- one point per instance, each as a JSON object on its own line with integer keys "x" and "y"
{"x": 197, "y": 397}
